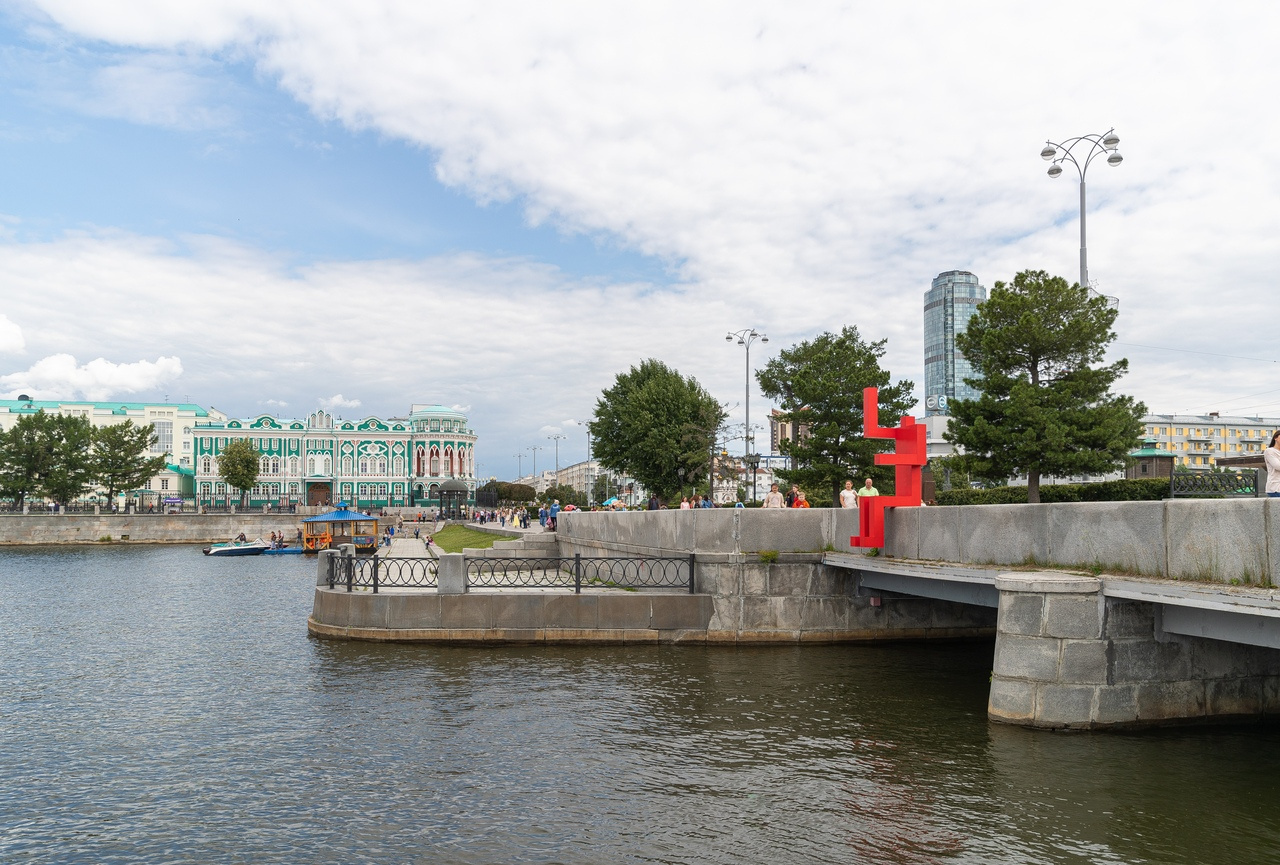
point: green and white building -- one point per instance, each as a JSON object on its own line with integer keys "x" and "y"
{"x": 321, "y": 459}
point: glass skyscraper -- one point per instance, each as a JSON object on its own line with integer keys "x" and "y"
{"x": 948, "y": 305}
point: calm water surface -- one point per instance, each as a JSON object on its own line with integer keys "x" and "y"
{"x": 160, "y": 706}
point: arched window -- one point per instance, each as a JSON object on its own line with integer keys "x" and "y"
{"x": 421, "y": 460}
{"x": 263, "y": 465}
{"x": 311, "y": 465}
{"x": 346, "y": 465}
{"x": 448, "y": 461}
{"x": 293, "y": 465}
{"x": 382, "y": 466}
{"x": 435, "y": 462}
{"x": 328, "y": 465}
{"x": 382, "y": 490}
{"x": 275, "y": 465}
{"x": 206, "y": 465}
{"x": 364, "y": 467}
{"x": 206, "y": 488}
{"x": 397, "y": 466}
{"x": 363, "y": 491}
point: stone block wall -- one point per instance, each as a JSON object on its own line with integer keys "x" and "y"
{"x": 140, "y": 528}
{"x": 1067, "y": 657}
{"x": 1215, "y": 540}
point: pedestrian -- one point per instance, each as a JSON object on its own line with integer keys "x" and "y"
{"x": 791, "y": 495}
{"x": 684, "y": 503}
{"x": 848, "y": 498}
{"x": 551, "y": 514}
{"x": 773, "y": 498}
{"x": 800, "y": 501}
{"x": 706, "y": 503}
{"x": 868, "y": 490}
{"x": 542, "y": 516}
{"x": 1272, "y": 457}
{"x": 654, "y": 504}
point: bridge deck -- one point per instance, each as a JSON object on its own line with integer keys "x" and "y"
{"x": 1238, "y": 614}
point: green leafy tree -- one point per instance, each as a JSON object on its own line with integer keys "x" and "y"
{"x": 517, "y": 493}
{"x": 238, "y": 465}
{"x": 818, "y": 386}
{"x": 604, "y": 488}
{"x": 120, "y": 457}
{"x": 71, "y": 472}
{"x": 653, "y": 422}
{"x": 27, "y": 456}
{"x": 566, "y": 495}
{"x": 1046, "y": 406}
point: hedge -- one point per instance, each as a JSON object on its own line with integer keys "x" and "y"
{"x": 1141, "y": 490}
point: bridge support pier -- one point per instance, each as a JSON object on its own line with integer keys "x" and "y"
{"x": 1067, "y": 657}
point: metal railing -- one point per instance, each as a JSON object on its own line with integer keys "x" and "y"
{"x": 1250, "y": 482}
{"x": 375, "y": 572}
{"x": 622, "y": 572}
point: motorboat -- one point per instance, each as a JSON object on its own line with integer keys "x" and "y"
{"x": 238, "y": 548}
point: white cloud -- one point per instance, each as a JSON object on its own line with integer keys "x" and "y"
{"x": 60, "y": 377}
{"x": 274, "y": 403}
{"x": 801, "y": 167}
{"x": 338, "y": 402}
{"x": 11, "y": 341}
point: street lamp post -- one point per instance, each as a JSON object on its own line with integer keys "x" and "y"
{"x": 535, "y": 449}
{"x": 556, "y": 438}
{"x": 1093, "y": 146}
{"x": 519, "y": 465}
{"x": 745, "y": 337}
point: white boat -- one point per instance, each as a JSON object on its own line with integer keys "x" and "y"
{"x": 238, "y": 548}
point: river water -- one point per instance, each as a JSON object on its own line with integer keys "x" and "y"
{"x": 161, "y": 706}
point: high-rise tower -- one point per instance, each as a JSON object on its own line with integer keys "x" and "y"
{"x": 948, "y": 305}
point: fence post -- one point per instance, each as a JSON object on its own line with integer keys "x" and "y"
{"x": 691, "y": 589}
{"x": 577, "y": 573}
{"x": 1259, "y": 483}
{"x": 332, "y": 560}
{"x": 349, "y": 560}
{"x": 375, "y": 574}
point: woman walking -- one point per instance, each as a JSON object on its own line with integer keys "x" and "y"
{"x": 1272, "y": 457}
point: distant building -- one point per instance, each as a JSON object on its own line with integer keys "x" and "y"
{"x": 948, "y": 305}
{"x": 320, "y": 459}
{"x": 173, "y": 423}
{"x": 1197, "y": 441}
{"x": 781, "y": 429}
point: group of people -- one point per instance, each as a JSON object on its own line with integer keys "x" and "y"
{"x": 547, "y": 515}
{"x": 278, "y": 541}
{"x": 514, "y": 517}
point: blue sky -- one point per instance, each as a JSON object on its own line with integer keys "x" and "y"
{"x": 365, "y": 205}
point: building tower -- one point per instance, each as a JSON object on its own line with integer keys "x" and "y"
{"x": 948, "y": 305}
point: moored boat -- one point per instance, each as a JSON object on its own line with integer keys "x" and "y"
{"x": 238, "y": 548}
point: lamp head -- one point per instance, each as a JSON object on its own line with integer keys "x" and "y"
{"x": 728, "y": 337}
{"x": 1115, "y": 158}
{"x": 1049, "y": 152}
{"x": 1111, "y": 140}
{"x": 764, "y": 339}
{"x": 1055, "y": 170}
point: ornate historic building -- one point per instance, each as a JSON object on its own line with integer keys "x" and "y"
{"x": 369, "y": 463}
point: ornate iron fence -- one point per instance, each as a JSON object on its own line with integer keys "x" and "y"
{"x": 377, "y": 572}
{"x": 1222, "y": 484}
{"x": 623, "y": 572}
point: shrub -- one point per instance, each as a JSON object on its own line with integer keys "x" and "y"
{"x": 1140, "y": 490}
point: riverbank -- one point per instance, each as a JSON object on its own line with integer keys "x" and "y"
{"x": 33, "y": 529}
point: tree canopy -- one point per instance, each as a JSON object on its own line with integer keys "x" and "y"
{"x": 1046, "y": 407}
{"x": 120, "y": 460}
{"x": 49, "y": 455}
{"x": 818, "y": 386}
{"x": 653, "y": 422}
{"x": 238, "y": 464}
{"x": 566, "y": 495}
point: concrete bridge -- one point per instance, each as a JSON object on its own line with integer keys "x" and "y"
{"x": 1103, "y": 614}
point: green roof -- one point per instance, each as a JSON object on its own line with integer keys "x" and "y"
{"x": 19, "y": 406}
{"x": 1151, "y": 452}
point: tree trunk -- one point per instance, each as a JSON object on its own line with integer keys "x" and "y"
{"x": 1033, "y": 487}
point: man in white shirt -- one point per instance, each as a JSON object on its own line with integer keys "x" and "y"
{"x": 848, "y": 498}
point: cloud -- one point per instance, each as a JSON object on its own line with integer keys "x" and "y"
{"x": 338, "y": 402}
{"x": 60, "y": 377}
{"x": 11, "y": 341}
{"x": 798, "y": 167}
{"x": 274, "y": 403}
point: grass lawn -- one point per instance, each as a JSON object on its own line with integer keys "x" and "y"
{"x": 454, "y": 539}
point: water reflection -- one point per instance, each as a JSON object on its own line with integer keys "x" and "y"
{"x": 163, "y": 706}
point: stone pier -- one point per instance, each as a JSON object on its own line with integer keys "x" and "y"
{"x": 1068, "y": 657}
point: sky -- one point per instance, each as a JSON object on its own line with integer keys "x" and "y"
{"x": 500, "y": 206}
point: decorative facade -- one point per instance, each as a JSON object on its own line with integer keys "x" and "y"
{"x": 322, "y": 460}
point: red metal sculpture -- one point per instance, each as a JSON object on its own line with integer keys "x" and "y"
{"x": 909, "y": 455}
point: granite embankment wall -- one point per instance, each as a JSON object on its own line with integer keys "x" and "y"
{"x": 140, "y": 528}
{"x": 794, "y": 597}
{"x": 1214, "y": 540}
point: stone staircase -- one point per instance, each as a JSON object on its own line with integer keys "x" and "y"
{"x": 536, "y": 545}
